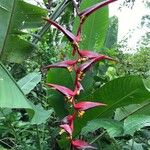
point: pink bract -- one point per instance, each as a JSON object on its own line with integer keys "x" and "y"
{"x": 79, "y": 144}
{"x": 63, "y": 64}
{"x": 87, "y": 105}
{"x": 67, "y": 128}
{"x": 62, "y": 89}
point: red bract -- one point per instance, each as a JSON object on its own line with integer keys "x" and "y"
{"x": 88, "y": 11}
{"x": 72, "y": 38}
{"x": 81, "y": 106}
{"x": 68, "y": 119}
{"x": 85, "y": 66}
{"x": 79, "y": 144}
{"x": 62, "y": 89}
{"x": 92, "y": 55}
{"x": 102, "y": 57}
{"x": 88, "y": 54}
{"x": 82, "y": 69}
{"x": 64, "y": 64}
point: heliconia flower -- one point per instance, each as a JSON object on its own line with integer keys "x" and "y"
{"x": 72, "y": 38}
{"x": 82, "y": 106}
{"x": 88, "y": 11}
{"x": 69, "y": 64}
{"x": 66, "y": 128}
{"x": 79, "y": 144}
{"x": 64, "y": 90}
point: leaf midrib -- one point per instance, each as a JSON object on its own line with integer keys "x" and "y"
{"x": 10, "y": 20}
{"x": 91, "y": 30}
{"x": 134, "y": 124}
{"x": 4, "y": 8}
{"x": 1, "y": 64}
{"x": 132, "y": 92}
{"x": 134, "y": 111}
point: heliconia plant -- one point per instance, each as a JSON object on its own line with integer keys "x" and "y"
{"x": 85, "y": 59}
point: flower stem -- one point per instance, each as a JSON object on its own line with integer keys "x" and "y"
{"x": 54, "y": 16}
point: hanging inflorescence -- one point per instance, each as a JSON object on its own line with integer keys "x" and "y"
{"x": 80, "y": 65}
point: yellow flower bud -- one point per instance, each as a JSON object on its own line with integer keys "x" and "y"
{"x": 81, "y": 113}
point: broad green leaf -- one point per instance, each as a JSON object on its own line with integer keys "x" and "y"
{"x": 29, "y": 82}
{"x": 120, "y": 92}
{"x": 114, "y": 128}
{"x": 14, "y": 16}
{"x": 63, "y": 143}
{"x": 41, "y": 115}
{"x": 135, "y": 122}
{"x": 116, "y": 93}
{"x": 87, "y": 84}
{"x": 4, "y": 112}
{"x": 10, "y": 94}
{"x": 135, "y": 146}
{"x": 95, "y": 27}
{"x": 124, "y": 112}
{"x": 132, "y": 145}
{"x": 1, "y": 148}
{"x": 16, "y": 49}
{"x": 56, "y": 100}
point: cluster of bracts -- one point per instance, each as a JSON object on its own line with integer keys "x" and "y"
{"x": 84, "y": 60}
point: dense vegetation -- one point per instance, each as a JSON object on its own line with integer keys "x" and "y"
{"x": 31, "y": 52}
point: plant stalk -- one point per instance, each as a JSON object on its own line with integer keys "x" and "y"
{"x": 53, "y": 17}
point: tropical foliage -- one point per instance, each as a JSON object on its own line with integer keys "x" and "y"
{"x": 80, "y": 85}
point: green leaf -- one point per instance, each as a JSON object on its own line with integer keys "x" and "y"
{"x": 5, "y": 112}
{"x": 62, "y": 77}
{"x": 111, "y": 37}
{"x": 1, "y": 148}
{"x": 114, "y": 128}
{"x": 41, "y": 115}
{"x": 95, "y": 27}
{"x": 116, "y": 93}
{"x": 10, "y": 94}
{"x": 143, "y": 108}
{"x": 135, "y": 123}
{"x": 135, "y": 146}
{"x": 124, "y": 112}
{"x": 87, "y": 84}
{"x": 16, "y": 15}
{"x": 120, "y": 92}
{"x": 15, "y": 49}
{"x": 29, "y": 82}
